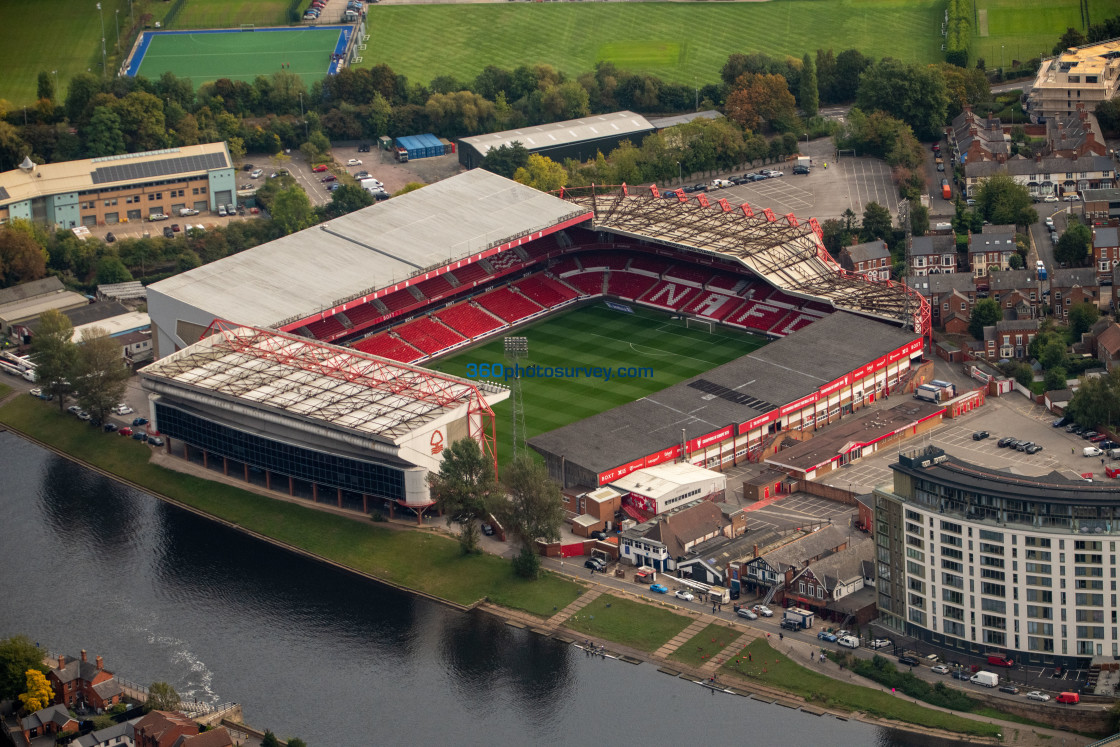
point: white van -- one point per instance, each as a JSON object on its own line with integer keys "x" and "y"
{"x": 987, "y": 679}
{"x": 720, "y": 183}
{"x": 1114, "y": 453}
{"x": 1091, "y": 451}
{"x": 848, "y": 641}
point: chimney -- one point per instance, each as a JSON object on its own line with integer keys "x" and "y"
{"x": 100, "y": 664}
{"x": 1038, "y": 158}
{"x": 61, "y": 661}
{"x": 83, "y": 654}
{"x": 755, "y": 554}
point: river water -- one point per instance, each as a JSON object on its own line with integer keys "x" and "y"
{"x": 313, "y": 652}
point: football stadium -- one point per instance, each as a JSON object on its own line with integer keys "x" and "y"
{"x": 336, "y": 363}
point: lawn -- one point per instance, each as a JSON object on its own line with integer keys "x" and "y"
{"x": 679, "y": 42}
{"x": 417, "y": 560}
{"x": 768, "y": 666}
{"x": 224, "y": 14}
{"x": 705, "y": 644}
{"x": 630, "y": 623}
{"x": 595, "y": 335}
{"x": 1022, "y": 29}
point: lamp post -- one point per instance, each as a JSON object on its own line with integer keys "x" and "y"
{"x": 117, "y": 12}
{"x": 56, "y": 91}
{"x": 131, "y": 18}
{"x": 680, "y": 176}
{"x": 1001, "y": 57}
{"x": 102, "y": 17}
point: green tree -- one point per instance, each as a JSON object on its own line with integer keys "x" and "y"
{"x": 296, "y": 742}
{"x": 1002, "y": 200}
{"x": 1071, "y": 38}
{"x": 914, "y": 93}
{"x": 1096, "y": 401}
{"x": 876, "y": 223}
{"x": 291, "y": 210}
{"x": 542, "y": 173}
{"x": 1052, "y": 354}
{"x": 37, "y": 693}
{"x": 1082, "y": 317}
{"x": 142, "y": 121}
{"x": 506, "y": 160}
{"x": 810, "y": 95}
{"x": 534, "y": 511}
{"x": 347, "y": 199}
{"x": 1015, "y": 261}
{"x": 1055, "y": 379}
{"x": 161, "y": 697}
{"x": 919, "y": 218}
{"x": 1073, "y": 247}
{"x": 46, "y": 86}
{"x": 985, "y": 313}
{"x": 17, "y": 655}
{"x": 100, "y": 372}
{"x": 54, "y": 354}
{"x": 1024, "y": 374}
{"x": 269, "y": 740}
{"x": 464, "y": 488}
{"x": 110, "y": 269}
{"x": 103, "y": 135}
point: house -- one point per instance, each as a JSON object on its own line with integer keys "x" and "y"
{"x": 1071, "y": 286}
{"x": 933, "y": 255}
{"x": 1017, "y": 291}
{"x": 972, "y": 138}
{"x": 1075, "y": 135}
{"x": 950, "y": 297}
{"x": 1084, "y": 75}
{"x": 1106, "y": 252}
{"x": 163, "y": 729}
{"x": 53, "y": 719}
{"x": 136, "y": 347}
{"x": 24, "y": 303}
{"x": 991, "y": 250}
{"x": 117, "y": 735}
{"x": 871, "y": 259}
{"x": 777, "y": 567}
{"x": 1108, "y": 346}
{"x": 710, "y": 562}
{"x": 80, "y": 682}
{"x": 1009, "y": 339}
{"x": 219, "y": 737}
{"x": 1101, "y": 205}
{"x": 834, "y": 577}
{"x": 1044, "y": 176}
{"x": 666, "y": 539}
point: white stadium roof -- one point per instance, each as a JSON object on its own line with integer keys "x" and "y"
{"x": 562, "y": 133}
{"x": 372, "y": 248}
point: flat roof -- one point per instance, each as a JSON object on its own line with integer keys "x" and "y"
{"x": 339, "y": 387}
{"x": 664, "y": 478}
{"x": 98, "y": 173}
{"x": 615, "y": 124}
{"x": 31, "y": 308}
{"x": 117, "y": 325}
{"x": 773, "y": 376}
{"x": 320, "y": 267}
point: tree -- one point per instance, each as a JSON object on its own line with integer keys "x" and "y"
{"x": 542, "y": 173}
{"x": 1071, "y": 38}
{"x": 269, "y": 740}
{"x": 1073, "y": 247}
{"x": 347, "y": 199}
{"x": 876, "y": 223}
{"x": 1082, "y": 317}
{"x": 1024, "y": 374}
{"x": 759, "y": 101}
{"x": 296, "y": 742}
{"x": 161, "y": 697}
{"x": 103, "y": 134}
{"x": 1002, "y": 200}
{"x": 985, "y": 313}
{"x": 919, "y": 218}
{"x": 914, "y": 93}
{"x": 810, "y": 95}
{"x": 1052, "y": 354}
{"x": 1097, "y": 400}
{"x": 100, "y": 372}
{"x": 1015, "y": 261}
{"x": 46, "y": 86}
{"x": 110, "y": 269}
{"x": 17, "y": 655}
{"x": 21, "y": 257}
{"x": 1055, "y": 379}
{"x": 291, "y": 210}
{"x": 142, "y": 121}
{"x": 534, "y": 511}
{"x": 54, "y": 354}
{"x": 37, "y": 693}
{"x": 464, "y": 487}
{"x": 506, "y": 160}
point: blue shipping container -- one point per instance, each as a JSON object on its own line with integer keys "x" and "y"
{"x": 431, "y": 144}
{"x": 421, "y": 146}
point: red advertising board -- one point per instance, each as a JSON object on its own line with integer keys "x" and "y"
{"x": 697, "y": 444}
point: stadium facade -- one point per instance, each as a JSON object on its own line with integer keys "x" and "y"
{"x": 391, "y": 286}
{"x": 977, "y": 561}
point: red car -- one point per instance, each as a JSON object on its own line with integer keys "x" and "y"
{"x": 126, "y": 431}
{"x": 321, "y": 167}
{"x": 1098, "y": 438}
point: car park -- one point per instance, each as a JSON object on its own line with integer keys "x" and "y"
{"x": 763, "y": 610}
{"x": 746, "y": 613}
{"x": 1039, "y": 696}
{"x": 979, "y": 435}
{"x": 684, "y": 594}
{"x": 659, "y": 588}
{"x": 824, "y": 635}
{"x": 939, "y": 669}
{"x": 909, "y": 661}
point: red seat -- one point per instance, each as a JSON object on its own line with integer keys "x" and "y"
{"x": 604, "y": 260}
{"x": 399, "y": 300}
{"x": 326, "y": 329}
{"x": 669, "y": 295}
{"x": 545, "y": 291}
{"x": 793, "y": 322}
{"x": 629, "y": 285}
{"x": 567, "y": 265}
{"x": 725, "y": 282}
{"x": 713, "y": 305}
{"x": 363, "y": 314}
{"x": 468, "y": 320}
{"x": 508, "y": 305}
{"x": 648, "y": 263}
{"x": 470, "y": 274}
{"x": 754, "y": 315}
{"x": 435, "y": 287}
{"x": 387, "y": 346}
{"x": 589, "y": 283}
{"x": 429, "y": 336}
{"x": 689, "y": 274}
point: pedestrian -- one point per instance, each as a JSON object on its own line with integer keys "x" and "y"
{"x": 781, "y": 636}
{"x": 750, "y": 656}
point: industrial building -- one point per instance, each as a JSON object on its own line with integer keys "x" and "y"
{"x": 580, "y": 139}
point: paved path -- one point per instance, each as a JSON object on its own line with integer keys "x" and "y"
{"x": 709, "y": 667}
{"x": 580, "y": 602}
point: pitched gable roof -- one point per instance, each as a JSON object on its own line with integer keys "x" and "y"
{"x": 1110, "y": 339}
{"x": 796, "y": 553}
{"x": 684, "y": 527}
{"x": 843, "y": 566}
{"x": 55, "y": 714}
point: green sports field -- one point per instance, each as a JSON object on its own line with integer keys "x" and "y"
{"x": 680, "y": 42}
{"x": 595, "y": 335}
{"x": 205, "y": 57}
{"x": 1023, "y": 29}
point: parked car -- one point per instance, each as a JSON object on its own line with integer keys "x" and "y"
{"x": 1098, "y": 438}
{"x": 763, "y": 610}
{"x": 746, "y": 613}
{"x": 1023, "y": 445}
{"x": 939, "y": 669}
{"x": 961, "y": 674}
{"x": 109, "y": 427}
{"x": 1050, "y": 198}
{"x": 596, "y": 564}
{"x": 155, "y": 441}
{"x": 799, "y": 169}
{"x": 487, "y": 530}
{"x": 1036, "y": 695}
{"x": 125, "y": 431}
{"x": 880, "y": 643}
{"x": 1091, "y": 451}
{"x": 771, "y": 173}
{"x": 659, "y": 588}
{"x": 354, "y": 162}
{"x": 1088, "y": 435}
{"x": 979, "y": 435}
{"x": 329, "y": 178}
{"x": 256, "y": 174}
{"x": 1072, "y": 427}
{"x": 73, "y": 409}
{"x": 847, "y": 641}
{"x": 320, "y": 168}
{"x": 910, "y": 661}
{"x": 1033, "y": 449}
{"x": 1009, "y": 689}
{"x": 121, "y": 409}
{"x": 824, "y": 635}
{"x": 1068, "y": 698}
{"x": 1059, "y": 422}
{"x": 362, "y": 175}
{"x": 139, "y": 436}
{"x": 684, "y": 594}
{"x": 168, "y": 233}
{"x": 791, "y": 625}
{"x": 157, "y": 216}
{"x": 363, "y": 148}
{"x": 1004, "y": 442}
{"x": 598, "y": 534}
{"x": 176, "y": 227}
{"x": 110, "y": 238}
{"x": 1071, "y": 198}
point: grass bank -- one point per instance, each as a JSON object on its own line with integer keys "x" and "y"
{"x": 418, "y": 560}
{"x": 630, "y": 623}
{"x": 699, "y": 649}
{"x": 761, "y": 663}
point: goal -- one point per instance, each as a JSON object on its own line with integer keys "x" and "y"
{"x": 690, "y": 323}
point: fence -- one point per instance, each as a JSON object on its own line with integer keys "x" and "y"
{"x": 169, "y": 19}
{"x": 840, "y": 495}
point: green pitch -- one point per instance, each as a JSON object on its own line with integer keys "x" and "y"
{"x": 595, "y": 335}
{"x": 679, "y": 42}
{"x": 240, "y": 56}
{"x": 229, "y": 14}
{"x": 1022, "y": 29}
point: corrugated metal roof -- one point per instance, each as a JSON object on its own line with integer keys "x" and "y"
{"x": 563, "y": 133}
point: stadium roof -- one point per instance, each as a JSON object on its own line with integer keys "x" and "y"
{"x": 380, "y": 399}
{"x": 320, "y": 267}
{"x": 773, "y": 376}
{"x": 98, "y": 173}
{"x": 556, "y": 134}
{"x": 787, "y": 254}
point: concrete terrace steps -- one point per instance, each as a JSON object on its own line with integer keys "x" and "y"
{"x": 680, "y": 638}
{"x": 714, "y": 663}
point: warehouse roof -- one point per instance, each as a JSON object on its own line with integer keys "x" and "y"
{"x": 615, "y": 124}
{"x": 320, "y": 267}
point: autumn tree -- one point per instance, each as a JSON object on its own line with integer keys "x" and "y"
{"x": 17, "y": 655}
{"x": 37, "y": 693}
{"x": 161, "y": 697}
{"x": 759, "y": 100}
{"x": 542, "y": 173}
{"x": 464, "y": 488}
{"x": 534, "y": 511}
{"x": 101, "y": 374}
{"x": 21, "y": 257}
{"x": 54, "y": 354}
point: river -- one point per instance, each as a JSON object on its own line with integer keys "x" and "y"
{"x": 312, "y": 652}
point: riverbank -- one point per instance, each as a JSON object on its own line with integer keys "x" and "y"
{"x": 319, "y": 535}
